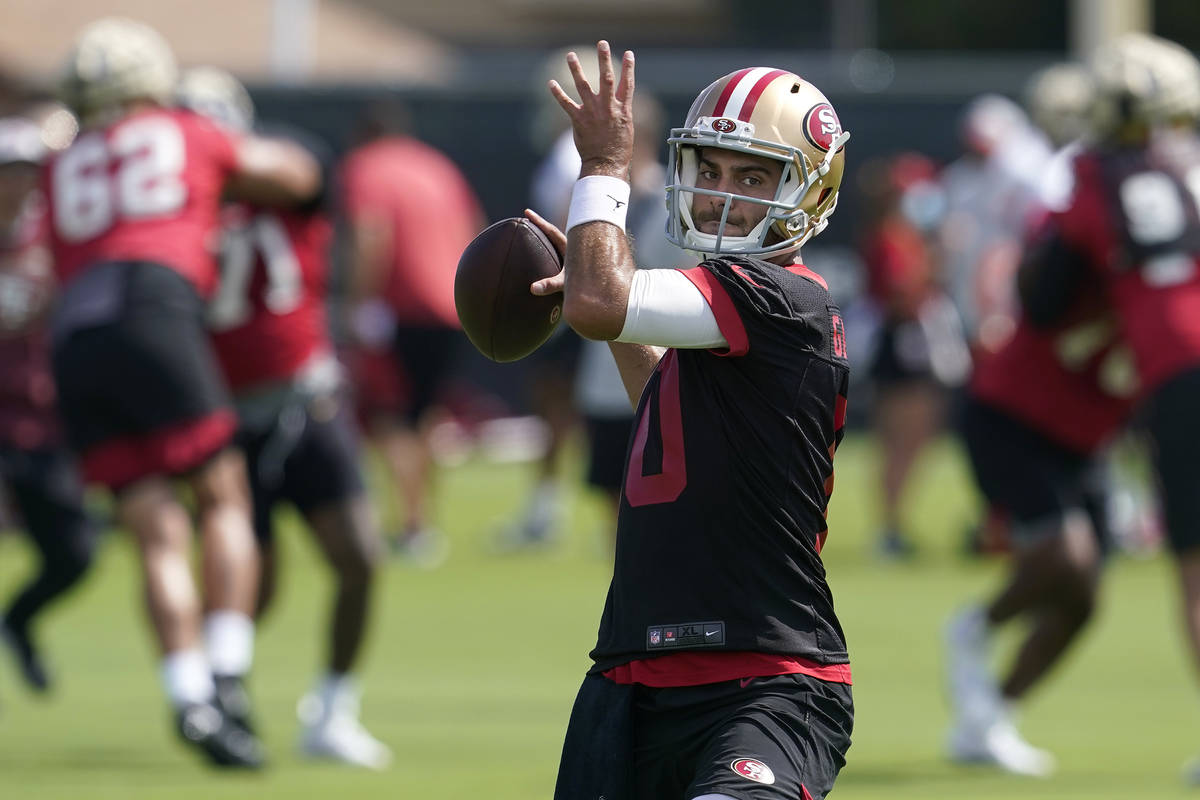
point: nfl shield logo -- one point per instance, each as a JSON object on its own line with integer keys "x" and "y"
{"x": 655, "y": 636}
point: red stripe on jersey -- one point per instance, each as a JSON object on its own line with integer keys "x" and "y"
{"x": 821, "y": 537}
{"x": 670, "y": 481}
{"x": 805, "y": 272}
{"x": 694, "y": 668}
{"x": 755, "y": 93}
{"x": 839, "y": 413}
{"x": 727, "y": 92}
{"x": 728, "y": 319}
{"x": 746, "y": 275}
{"x": 168, "y": 451}
{"x": 806, "y": 795}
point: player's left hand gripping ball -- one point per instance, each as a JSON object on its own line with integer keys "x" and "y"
{"x": 499, "y": 314}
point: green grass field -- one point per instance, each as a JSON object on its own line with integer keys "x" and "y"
{"x": 472, "y": 668}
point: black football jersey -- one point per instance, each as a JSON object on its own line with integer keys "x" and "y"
{"x": 728, "y": 477}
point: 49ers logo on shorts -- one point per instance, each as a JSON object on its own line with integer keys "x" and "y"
{"x": 821, "y": 126}
{"x": 754, "y": 770}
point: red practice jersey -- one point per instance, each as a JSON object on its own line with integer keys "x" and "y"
{"x": 1074, "y": 384}
{"x": 1135, "y": 218}
{"x": 28, "y": 417}
{"x": 268, "y": 316}
{"x": 431, "y": 214}
{"x": 145, "y": 188}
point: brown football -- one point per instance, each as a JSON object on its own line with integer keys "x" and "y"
{"x": 491, "y": 290}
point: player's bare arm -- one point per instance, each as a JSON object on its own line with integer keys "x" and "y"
{"x": 274, "y": 172}
{"x": 599, "y": 265}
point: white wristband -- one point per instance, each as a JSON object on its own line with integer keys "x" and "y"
{"x": 598, "y": 198}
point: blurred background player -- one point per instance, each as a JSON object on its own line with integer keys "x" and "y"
{"x": 134, "y": 205}
{"x": 410, "y": 213}
{"x": 990, "y": 190}
{"x": 919, "y": 351}
{"x": 40, "y": 476}
{"x": 272, "y": 339}
{"x": 554, "y": 366}
{"x": 1133, "y": 223}
{"x": 1041, "y": 407}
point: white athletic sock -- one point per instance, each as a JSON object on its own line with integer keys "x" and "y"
{"x": 334, "y": 692}
{"x": 229, "y": 639}
{"x": 187, "y": 677}
{"x": 543, "y": 504}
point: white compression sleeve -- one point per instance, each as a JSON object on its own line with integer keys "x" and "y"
{"x": 666, "y": 309}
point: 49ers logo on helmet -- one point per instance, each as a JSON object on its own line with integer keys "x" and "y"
{"x": 754, "y": 770}
{"x": 821, "y": 126}
{"x": 724, "y": 125}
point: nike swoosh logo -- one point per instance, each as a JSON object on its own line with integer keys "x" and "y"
{"x": 619, "y": 203}
{"x": 711, "y": 633}
{"x": 745, "y": 682}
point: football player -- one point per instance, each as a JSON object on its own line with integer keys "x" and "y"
{"x": 721, "y": 670}
{"x": 1041, "y": 408}
{"x": 272, "y": 340}
{"x": 1133, "y": 225}
{"x": 410, "y": 212}
{"x": 133, "y": 205}
{"x": 35, "y": 467}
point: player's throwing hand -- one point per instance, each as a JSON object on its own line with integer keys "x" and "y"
{"x": 602, "y": 120}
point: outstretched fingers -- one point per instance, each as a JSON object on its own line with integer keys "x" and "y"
{"x": 625, "y": 88}
{"x": 607, "y": 79}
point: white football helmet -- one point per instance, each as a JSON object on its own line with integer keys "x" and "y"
{"x": 1143, "y": 82}
{"x": 1059, "y": 99}
{"x": 764, "y": 112}
{"x": 115, "y": 61}
{"x": 217, "y": 95}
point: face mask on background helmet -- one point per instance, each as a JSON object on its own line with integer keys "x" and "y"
{"x": 769, "y": 113}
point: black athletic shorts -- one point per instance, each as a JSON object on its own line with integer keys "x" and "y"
{"x": 1031, "y": 478}
{"x": 778, "y": 738}
{"x": 608, "y": 441}
{"x": 309, "y": 458}
{"x": 1173, "y": 422}
{"x": 427, "y": 357}
{"x": 902, "y": 355}
{"x": 140, "y": 391}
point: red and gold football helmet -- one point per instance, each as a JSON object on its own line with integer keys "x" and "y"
{"x": 765, "y": 112}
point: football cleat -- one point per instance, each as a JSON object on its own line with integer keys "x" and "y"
{"x": 426, "y": 548}
{"x": 29, "y": 662}
{"x": 233, "y": 700}
{"x": 332, "y": 731}
{"x": 999, "y": 744}
{"x": 223, "y": 742}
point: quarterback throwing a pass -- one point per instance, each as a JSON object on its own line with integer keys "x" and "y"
{"x": 720, "y": 670}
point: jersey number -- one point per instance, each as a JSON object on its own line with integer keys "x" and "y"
{"x": 135, "y": 173}
{"x": 661, "y": 406}
{"x": 266, "y": 240}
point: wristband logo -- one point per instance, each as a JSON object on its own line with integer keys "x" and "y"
{"x": 754, "y": 770}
